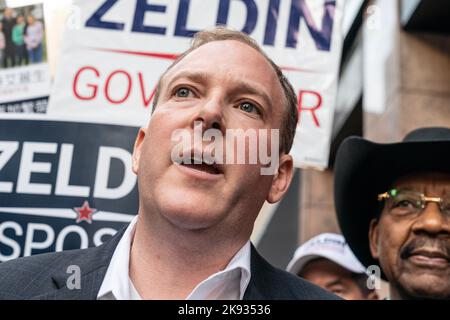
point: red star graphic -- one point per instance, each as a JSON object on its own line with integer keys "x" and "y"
{"x": 85, "y": 212}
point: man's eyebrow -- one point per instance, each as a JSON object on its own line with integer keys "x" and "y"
{"x": 245, "y": 87}
{"x": 240, "y": 86}
{"x": 198, "y": 77}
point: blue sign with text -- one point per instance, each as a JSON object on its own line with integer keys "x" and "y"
{"x": 63, "y": 185}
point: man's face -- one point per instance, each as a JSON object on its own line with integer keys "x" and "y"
{"x": 414, "y": 253}
{"x": 223, "y": 85}
{"x": 8, "y": 13}
{"x": 332, "y": 277}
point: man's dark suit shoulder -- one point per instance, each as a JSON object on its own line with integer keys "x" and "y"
{"x": 270, "y": 283}
{"x": 27, "y": 277}
{"x": 296, "y": 288}
{"x": 41, "y": 276}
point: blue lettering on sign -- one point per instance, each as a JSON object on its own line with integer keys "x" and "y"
{"x": 96, "y": 20}
{"x": 322, "y": 36}
{"x": 141, "y": 8}
{"x": 63, "y": 185}
{"x": 299, "y": 10}
{"x": 180, "y": 27}
{"x": 250, "y": 21}
{"x": 271, "y": 24}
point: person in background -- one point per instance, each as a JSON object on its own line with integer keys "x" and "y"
{"x": 33, "y": 39}
{"x": 393, "y": 207}
{"x": 8, "y": 22}
{"x": 2, "y": 44}
{"x": 18, "y": 40}
{"x": 327, "y": 261}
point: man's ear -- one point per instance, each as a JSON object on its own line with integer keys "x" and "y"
{"x": 137, "y": 149}
{"x": 281, "y": 179}
{"x": 373, "y": 238}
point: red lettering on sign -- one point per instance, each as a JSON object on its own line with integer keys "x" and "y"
{"x": 310, "y": 108}
{"x": 152, "y": 94}
{"x": 92, "y": 86}
{"x": 108, "y": 80}
{"x": 89, "y": 83}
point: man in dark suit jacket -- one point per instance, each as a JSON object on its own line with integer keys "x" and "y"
{"x": 8, "y": 23}
{"x": 45, "y": 276}
{"x": 190, "y": 239}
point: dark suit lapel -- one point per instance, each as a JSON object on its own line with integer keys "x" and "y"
{"x": 258, "y": 289}
{"x": 93, "y": 263}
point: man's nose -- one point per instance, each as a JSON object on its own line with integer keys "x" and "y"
{"x": 432, "y": 220}
{"x": 210, "y": 114}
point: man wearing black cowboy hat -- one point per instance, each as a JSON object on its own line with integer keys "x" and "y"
{"x": 393, "y": 207}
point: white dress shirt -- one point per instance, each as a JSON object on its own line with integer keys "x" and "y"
{"x": 228, "y": 284}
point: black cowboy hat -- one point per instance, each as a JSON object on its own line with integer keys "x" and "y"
{"x": 364, "y": 169}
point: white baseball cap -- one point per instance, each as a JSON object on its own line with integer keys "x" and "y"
{"x": 330, "y": 246}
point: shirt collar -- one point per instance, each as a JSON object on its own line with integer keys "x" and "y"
{"x": 116, "y": 284}
{"x": 230, "y": 283}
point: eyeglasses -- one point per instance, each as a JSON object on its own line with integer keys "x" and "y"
{"x": 404, "y": 203}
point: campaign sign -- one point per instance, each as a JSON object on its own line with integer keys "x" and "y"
{"x": 114, "y": 52}
{"x": 63, "y": 185}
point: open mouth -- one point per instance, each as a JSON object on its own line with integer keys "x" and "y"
{"x": 207, "y": 168}
{"x": 197, "y": 164}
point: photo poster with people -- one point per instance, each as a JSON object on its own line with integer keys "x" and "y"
{"x": 25, "y": 79}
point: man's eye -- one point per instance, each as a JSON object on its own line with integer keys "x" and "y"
{"x": 337, "y": 290}
{"x": 249, "y": 107}
{"x": 183, "y": 92}
{"x": 406, "y": 203}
